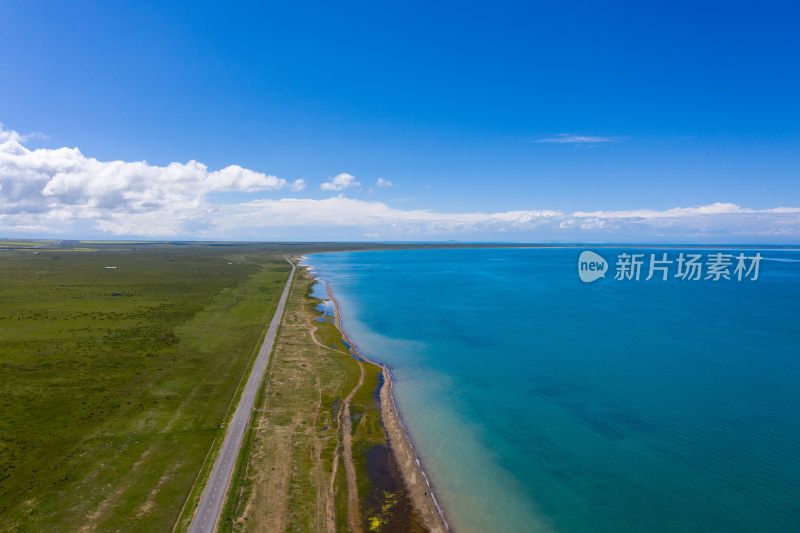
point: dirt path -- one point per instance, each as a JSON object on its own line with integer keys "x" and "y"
{"x": 353, "y": 511}
{"x": 346, "y": 448}
{"x": 321, "y": 521}
{"x": 330, "y": 510}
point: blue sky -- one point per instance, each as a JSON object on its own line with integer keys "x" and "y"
{"x": 531, "y": 108}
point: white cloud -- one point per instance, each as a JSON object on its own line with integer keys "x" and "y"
{"x": 570, "y": 138}
{"x": 47, "y": 179}
{"x": 714, "y": 222}
{"x": 383, "y": 183}
{"x": 236, "y": 178}
{"x": 340, "y": 182}
{"x": 50, "y": 192}
{"x": 298, "y": 185}
{"x": 33, "y": 136}
{"x": 344, "y": 211}
{"x": 718, "y": 208}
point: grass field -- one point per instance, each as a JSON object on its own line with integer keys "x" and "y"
{"x": 7, "y": 244}
{"x": 115, "y": 380}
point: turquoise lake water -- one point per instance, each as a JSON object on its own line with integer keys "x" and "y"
{"x": 537, "y": 402}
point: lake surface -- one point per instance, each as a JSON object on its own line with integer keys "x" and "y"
{"x": 538, "y": 402}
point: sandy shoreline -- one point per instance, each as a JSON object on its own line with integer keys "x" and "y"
{"x": 416, "y": 481}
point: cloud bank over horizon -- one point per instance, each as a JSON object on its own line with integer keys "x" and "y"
{"x": 50, "y": 192}
{"x": 571, "y": 138}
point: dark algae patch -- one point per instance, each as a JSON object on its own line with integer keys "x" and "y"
{"x": 389, "y": 509}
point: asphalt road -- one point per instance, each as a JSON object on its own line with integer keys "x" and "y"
{"x": 207, "y": 514}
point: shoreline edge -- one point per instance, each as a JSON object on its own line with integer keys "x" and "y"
{"x": 417, "y": 483}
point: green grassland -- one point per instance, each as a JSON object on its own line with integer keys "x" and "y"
{"x": 115, "y": 381}
{"x": 6, "y": 244}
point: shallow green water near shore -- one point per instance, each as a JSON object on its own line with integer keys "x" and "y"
{"x": 538, "y": 402}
